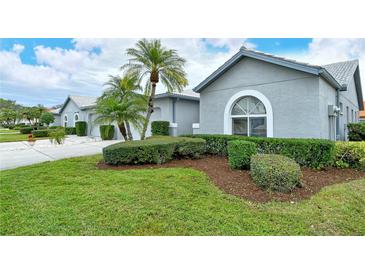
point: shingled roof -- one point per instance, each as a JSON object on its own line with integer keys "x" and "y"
{"x": 342, "y": 71}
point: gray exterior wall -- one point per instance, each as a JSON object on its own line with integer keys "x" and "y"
{"x": 57, "y": 120}
{"x": 327, "y": 96}
{"x": 349, "y": 101}
{"x": 70, "y": 109}
{"x": 186, "y": 113}
{"x": 293, "y": 95}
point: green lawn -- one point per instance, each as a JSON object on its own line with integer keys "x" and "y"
{"x": 9, "y": 131}
{"x": 16, "y": 137}
{"x": 73, "y": 197}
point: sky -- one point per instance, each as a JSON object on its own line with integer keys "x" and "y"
{"x": 45, "y": 71}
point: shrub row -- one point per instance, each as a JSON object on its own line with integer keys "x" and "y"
{"x": 275, "y": 172}
{"x": 70, "y": 131}
{"x": 107, "y": 132}
{"x": 160, "y": 128}
{"x": 153, "y": 150}
{"x": 81, "y": 128}
{"x": 40, "y": 133}
{"x": 350, "y": 154}
{"x": 25, "y": 130}
{"x": 240, "y": 152}
{"x": 356, "y": 131}
{"x": 314, "y": 153}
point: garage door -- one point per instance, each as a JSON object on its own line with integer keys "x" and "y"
{"x": 93, "y": 127}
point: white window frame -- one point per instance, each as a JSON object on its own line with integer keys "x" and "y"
{"x": 228, "y": 117}
{"x": 78, "y": 115}
{"x": 65, "y": 120}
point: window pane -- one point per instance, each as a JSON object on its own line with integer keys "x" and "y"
{"x": 258, "y": 109}
{"x": 239, "y": 126}
{"x": 258, "y": 126}
{"x": 238, "y": 110}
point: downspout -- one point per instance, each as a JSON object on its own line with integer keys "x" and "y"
{"x": 337, "y": 127}
{"x": 174, "y": 110}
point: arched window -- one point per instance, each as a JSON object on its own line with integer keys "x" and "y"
{"x": 65, "y": 120}
{"x": 76, "y": 118}
{"x": 249, "y": 117}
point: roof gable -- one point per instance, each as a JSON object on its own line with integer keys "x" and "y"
{"x": 82, "y": 102}
{"x": 244, "y": 52}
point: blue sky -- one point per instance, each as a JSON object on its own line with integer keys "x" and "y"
{"x": 45, "y": 71}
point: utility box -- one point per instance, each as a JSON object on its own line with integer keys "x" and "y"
{"x": 333, "y": 110}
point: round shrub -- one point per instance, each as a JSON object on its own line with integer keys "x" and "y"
{"x": 107, "y": 132}
{"x": 40, "y": 133}
{"x": 26, "y": 130}
{"x": 240, "y": 152}
{"x": 81, "y": 128}
{"x": 350, "y": 155}
{"x": 275, "y": 172}
{"x": 160, "y": 128}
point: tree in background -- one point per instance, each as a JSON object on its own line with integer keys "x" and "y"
{"x": 7, "y": 117}
{"x": 122, "y": 104}
{"x": 153, "y": 62}
{"x": 46, "y": 118}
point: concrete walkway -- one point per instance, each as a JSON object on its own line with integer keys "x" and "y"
{"x": 16, "y": 154}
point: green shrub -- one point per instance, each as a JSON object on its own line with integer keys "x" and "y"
{"x": 160, "y": 128}
{"x": 156, "y": 150}
{"x": 240, "y": 152}
{"x": 81, "y": 128}
{"x": 40, "y": 133}
{"x": 70, "y": 130}
{"x": 55, "y": 127}
{"x": 315, "y": 153}
{"x": 57, "y": 136}
{"x": 350, "y": 154}
{"x": 26, "y": 130}
{"x": 107, "y": 132}
{"x": 189, "y": 147}
{"x": 275, "y": 172}
{"x": 356, "y": 131}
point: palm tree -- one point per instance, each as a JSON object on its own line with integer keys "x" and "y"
{"x": 120, "y": 103}
{"x": 153, "y": 62}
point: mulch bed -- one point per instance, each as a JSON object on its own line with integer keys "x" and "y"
{"x": 239, "y": 182}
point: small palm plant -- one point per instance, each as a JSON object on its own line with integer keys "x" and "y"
{"x": 122, "y": 104}
{"x": 57, "y": 136}
{"x": 153, "y": 62}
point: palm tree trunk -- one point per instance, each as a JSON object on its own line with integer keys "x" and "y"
{"x": 129, "y": 133}
{"x": 149, "y": 111}
{"x": 123, "y": 130}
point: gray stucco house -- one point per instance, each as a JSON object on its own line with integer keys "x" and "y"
{"x": 258, "y": 94}
{"x": 181, "y": 110}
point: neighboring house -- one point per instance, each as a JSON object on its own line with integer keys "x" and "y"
{"x": 258, "y": 94}
{"x": 56, "y": 115}
{"x": 180, "y": 109}
{"x": 362, "y": 115}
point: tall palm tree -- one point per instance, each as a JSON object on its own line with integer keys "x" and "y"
{"x": 153, "y": 62}
{"x": 120, "y": 103}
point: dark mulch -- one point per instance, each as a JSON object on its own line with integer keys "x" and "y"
{"x": 239, "y": 182}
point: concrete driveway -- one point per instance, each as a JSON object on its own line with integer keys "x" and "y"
{"x": 16, "y": 154}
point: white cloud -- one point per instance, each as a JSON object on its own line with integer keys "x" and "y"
{"x": 325, "y": 51}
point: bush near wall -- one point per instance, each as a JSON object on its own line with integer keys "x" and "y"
{"x": 350, "y": 155}
{"x": 107, "y": 132}
{"x": 40, "y": 133}
{"x": 26, "y": 130}
{"x": 81, "y": 128}
{"x": 315, "y": 153}
{"x": 70, "y": 131}
{"x": 156, "y": 150}
{"x": 240, "y": 152}
{"x": 275, "y": 172}
{"x": 160, "y": 128}
{"x": 356, "y": 131}
{"x": 55, "y": 127}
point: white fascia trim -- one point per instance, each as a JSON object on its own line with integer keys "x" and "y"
{"x": 258, "y": 95}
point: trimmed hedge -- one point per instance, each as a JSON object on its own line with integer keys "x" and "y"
{"x": 152, "y": 150}
{"x": 70, "y": 131}
{"x": 40, "y": 133}
{"x": 350, "y": 155}
{"x": 356, "y": 131}
{"x": 275, "y": 172}
{"x": 55, "y": 127}
{"x": 160, "y": 128}
{"x": 25, "y": 130}
{"x": 240, "y": 152}
{"x": 107, "y": 132}
{"x": 315, "y": 153}
{"x": 81, "y": 128}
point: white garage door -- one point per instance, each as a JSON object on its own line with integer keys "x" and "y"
{"x": 94, "y": 130}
